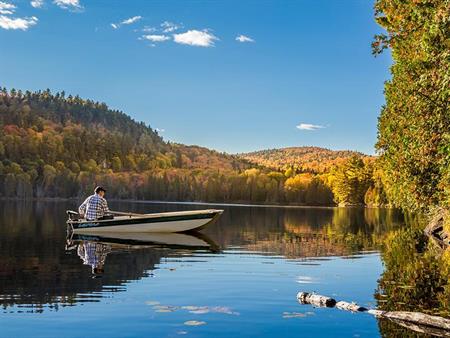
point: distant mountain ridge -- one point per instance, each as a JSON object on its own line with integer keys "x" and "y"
{"x": 309, "y": 159}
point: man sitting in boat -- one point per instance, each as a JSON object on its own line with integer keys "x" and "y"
{"x": 95, "y": 206}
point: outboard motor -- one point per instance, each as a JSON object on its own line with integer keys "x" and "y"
{"x": 73, "y": 216}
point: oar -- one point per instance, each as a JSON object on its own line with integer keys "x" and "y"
{"x": 125, "y": 213}
{"x": 403, "y": 316}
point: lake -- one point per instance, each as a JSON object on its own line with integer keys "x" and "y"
{"x": 239, "y": 278}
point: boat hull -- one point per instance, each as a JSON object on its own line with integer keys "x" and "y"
{"x": 158, "y": 223}
{"x": 148, "y": 239}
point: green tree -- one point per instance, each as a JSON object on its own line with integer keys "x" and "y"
{"x": 414, "y": 125}
{"x": 297, "y": 187}
{"x": 49, "y": 175}
{"x": 116, "y": 164}
{"x": 74, "y": 167}
{"x": 351, "y": 181}
{"x": 10, "y": 185}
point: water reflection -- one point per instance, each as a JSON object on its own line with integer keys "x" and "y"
{"x": 416, "y": 278}
{"x": 93, "y": 254}
{"x": 188, "y": 240}
{"x": 298, "y": 233}
{"x": 93, "y": 248}
{"x": 38, "y": 272}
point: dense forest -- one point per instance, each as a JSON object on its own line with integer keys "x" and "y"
{"x": 53, "y": 145}
{"x": 307, "y": 159}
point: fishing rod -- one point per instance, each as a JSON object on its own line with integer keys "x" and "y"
{"x": 125, "y": 213}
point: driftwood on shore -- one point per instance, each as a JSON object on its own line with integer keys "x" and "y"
{"x": 416, "y": 321}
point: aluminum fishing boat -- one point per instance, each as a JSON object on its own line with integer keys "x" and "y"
{"x": 178, "y": 221}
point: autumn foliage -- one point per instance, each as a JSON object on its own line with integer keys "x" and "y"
{"x": 53, "y": 145}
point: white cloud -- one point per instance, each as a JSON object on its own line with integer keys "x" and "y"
{"x": 7, "y": 8}
{"x": 156, "y": 37}
{"x": 308, "y": 126}
{"x": 195, "y": 38}
{"x": 8, "y": 22}
{"x": 37, "y": 3}
{"x": 169, "y": 27}
{"x": 160, "y": 130}
{"x": 17, "y": 23}
{"x": 131, "y": 20}
{"x": 243, "y": 38}
{"x": 128, "y": 21}
{"x": 68, "y": 4}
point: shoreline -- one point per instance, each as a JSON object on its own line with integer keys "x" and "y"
{"x": 248, "y": 205}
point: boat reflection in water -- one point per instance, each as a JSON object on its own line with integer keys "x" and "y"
{"x": 93, "y": 248}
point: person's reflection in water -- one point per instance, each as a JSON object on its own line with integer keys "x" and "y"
{"x": 94, "y": 254}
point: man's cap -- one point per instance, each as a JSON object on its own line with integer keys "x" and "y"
{"x": 98, "y": 189}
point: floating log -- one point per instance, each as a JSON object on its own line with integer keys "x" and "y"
{"x": 428, "y": 330}
{"x": 418, "y": 320}
{"x": 414, "y": 317}
{"x": 316, "y": 300}
{"x": 353, "y": 307}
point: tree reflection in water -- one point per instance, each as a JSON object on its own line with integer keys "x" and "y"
{"x": 416, "y": 277}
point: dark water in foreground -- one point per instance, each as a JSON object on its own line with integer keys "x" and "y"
{"x": 240, "y": 278}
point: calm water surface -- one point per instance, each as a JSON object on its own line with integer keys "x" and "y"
{"x": 239, "y": 278}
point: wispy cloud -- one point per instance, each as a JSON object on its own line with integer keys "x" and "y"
{"x": 156, "y": 37}
{"x": 243, "y": 38}
{"x": 131, "y": 20}
{"x": 160, "y": 130}
{"x": 37, "y": 3}
{"x": 17, "y": 23}
{"x": 148, "y": 29}
{"x": 73, "y": 5}
{"x": 7, "y": 8}
{"x": 308, "y": 126}
{"x": 128, "y": 21}
{"x": 168, "y": 27}
{"x": 196, "y": 38}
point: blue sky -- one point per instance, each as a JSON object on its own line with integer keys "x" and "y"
{"x": 230, "y": 75}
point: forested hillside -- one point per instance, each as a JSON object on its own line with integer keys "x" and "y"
{"x": 53, "y": 145}
{"x": 307, "y": 159}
